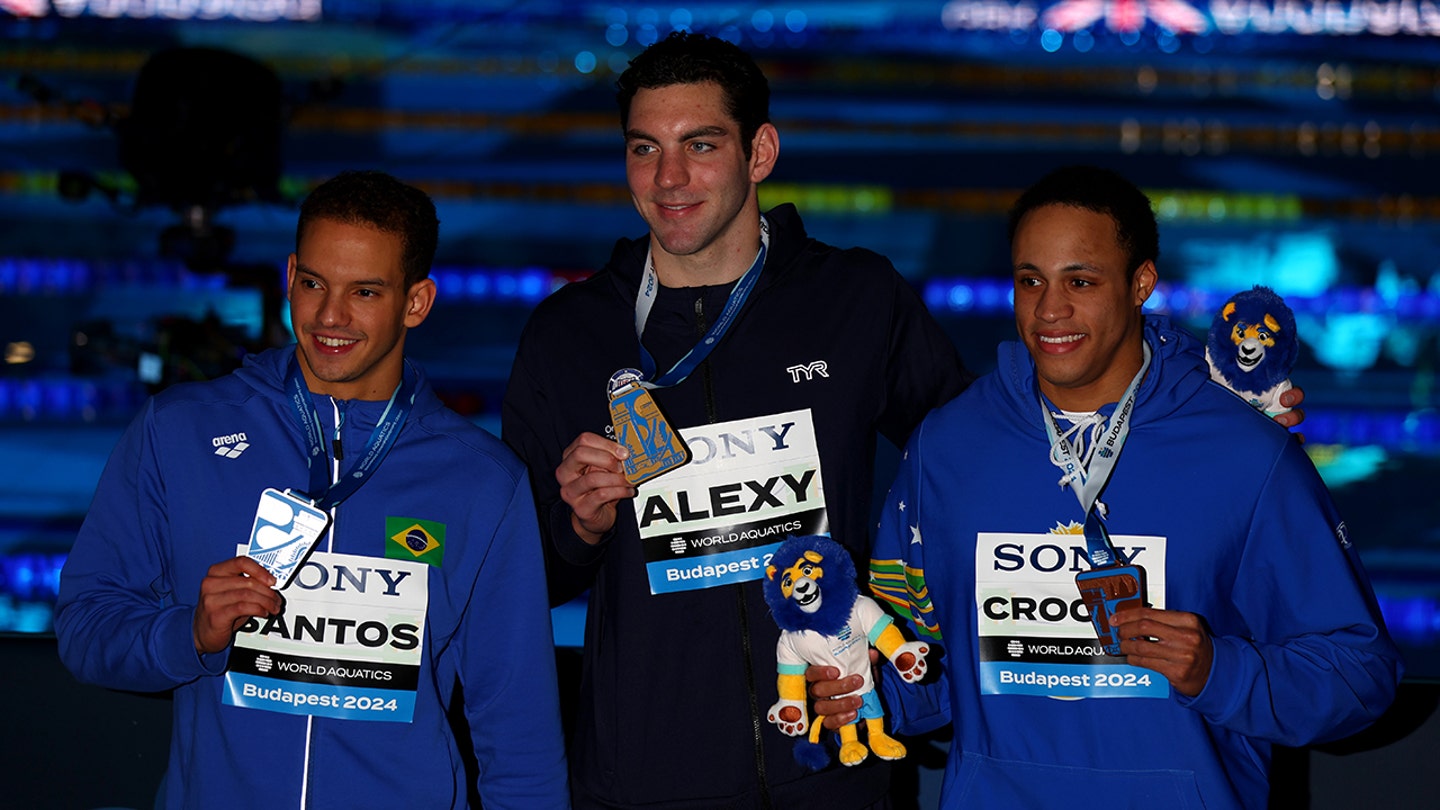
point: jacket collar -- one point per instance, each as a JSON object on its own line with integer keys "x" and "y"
{"x": 787, "y": 239}
{"x": 267, "y": 372}
{"x": 1177, "y": 370}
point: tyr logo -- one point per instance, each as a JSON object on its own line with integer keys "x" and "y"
{"x": 809, "y": 370}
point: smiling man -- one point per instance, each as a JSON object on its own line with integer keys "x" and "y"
{"x": 324, "y": 677}
{"x": 1244, "y": 619}
{"x": 780, "y": 360}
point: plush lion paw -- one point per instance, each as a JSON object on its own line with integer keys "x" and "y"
{"x": 853, "y": 753}
{"x": 886, "y": 747}
{"x": 909, "y": 660}
{"x": 789, "y": 715}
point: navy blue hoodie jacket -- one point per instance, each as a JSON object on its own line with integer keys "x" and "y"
{"x": 676, "y": 685}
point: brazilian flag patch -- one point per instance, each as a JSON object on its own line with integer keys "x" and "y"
{"x": 415, "y": 539}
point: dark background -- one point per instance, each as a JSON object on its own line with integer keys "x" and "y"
{"x": 150, "y": 165}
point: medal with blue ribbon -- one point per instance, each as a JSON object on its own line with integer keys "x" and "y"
{"x": 1109, "y": 585}
{"x": 655, "y": 447}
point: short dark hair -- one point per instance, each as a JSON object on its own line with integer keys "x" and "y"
{"x": 1104, "y": 192}
{"x": 379, "y": 201}
{"x": 686, "y": 58}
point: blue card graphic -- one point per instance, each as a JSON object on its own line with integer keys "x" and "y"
{"x": 286, "y": 528}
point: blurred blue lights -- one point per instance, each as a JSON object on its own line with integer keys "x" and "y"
{"x": 24, "y": 276}
{"x": 1413, "y": 619}
{"x": 29, "y": 584}
{"x": 646, "y": 25}
{"x": 989, "y": 296}
{"x": 51, "y": 276}
{"x": 69, "y": 400}
{"x": 1415, "y": 431}
{"x": 496, "y": 286}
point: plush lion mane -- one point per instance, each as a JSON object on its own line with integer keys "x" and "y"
{"x": 838, "y": 586}
{"x": 1251, "y": 307}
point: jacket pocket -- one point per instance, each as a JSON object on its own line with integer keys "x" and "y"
{"x": 996, "y": 783}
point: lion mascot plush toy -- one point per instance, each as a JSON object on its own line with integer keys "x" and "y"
{"x": 824, "y": 620}
{"x": 1252, "y": 347}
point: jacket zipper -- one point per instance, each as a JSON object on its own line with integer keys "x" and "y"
{"x": 339, "y": 453}
{"x": 701, "y": 325}
{"x": 756, "y": 725}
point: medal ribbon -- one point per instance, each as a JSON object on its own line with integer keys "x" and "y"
{"x": 1094, "y": 477}
{"x": 645, "y": 300}
{"x": 323, "y": 492}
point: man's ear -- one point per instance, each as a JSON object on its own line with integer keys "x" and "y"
{"x": 289, "y": 275}
{"x": 420, "y": 297}
{"x": 764, "y": 151}
{"x": 1145, "y": 278}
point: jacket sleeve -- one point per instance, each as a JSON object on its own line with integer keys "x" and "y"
{"x": 1316, "y": 662}
{"x": 923, "y": 368}
{"x": 528, "y": 426}
{"x": 119, "y": 619}
{"x": 507, "y": 667}
{"x": 897, "y": 580}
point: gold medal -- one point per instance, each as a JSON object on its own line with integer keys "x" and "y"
{"x": 655, "y": 448}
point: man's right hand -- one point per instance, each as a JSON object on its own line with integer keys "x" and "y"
{"x": 592, "y": 480}
{"x": 836, "y": 703}
{"x": 231, "y": 593}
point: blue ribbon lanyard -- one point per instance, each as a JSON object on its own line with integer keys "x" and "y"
{"x": 1102, "y": 464}
{"x": 325, "y": 493}
{"x": 645, "y": 299}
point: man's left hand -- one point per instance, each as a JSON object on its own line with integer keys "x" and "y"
{"x": 1293, "y": 417}
{"x": 1170, "y": 642}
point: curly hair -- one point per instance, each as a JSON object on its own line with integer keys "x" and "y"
{"x": 686, "y": 58}
{"x": 1104, "y": 192}
{"x": 377, "y": 200}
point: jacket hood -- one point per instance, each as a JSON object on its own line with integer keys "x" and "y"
{"x": 1177, "y": 370}
{"x": 267, "y": 372}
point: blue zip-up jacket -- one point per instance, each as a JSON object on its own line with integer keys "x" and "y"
{"x": 179, "y": 494}
{"x": 1230, "y": 521}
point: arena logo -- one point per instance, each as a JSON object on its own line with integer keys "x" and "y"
{"x": 230, "y": 446}
{"x": 1227, "y": 17}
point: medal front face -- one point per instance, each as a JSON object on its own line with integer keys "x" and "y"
{"x": 655, "y": 448}
{"x": 285, "y": 529}
{"x": 1109, "y": 589}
